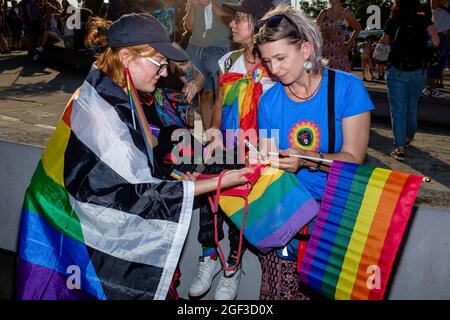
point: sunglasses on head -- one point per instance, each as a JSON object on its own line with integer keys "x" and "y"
{"x": 274, "y": 21}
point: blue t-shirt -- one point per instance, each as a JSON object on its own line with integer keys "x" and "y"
{"x": 305, "y": 124}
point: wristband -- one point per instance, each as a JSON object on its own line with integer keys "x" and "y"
{"x": 317, "y": 166}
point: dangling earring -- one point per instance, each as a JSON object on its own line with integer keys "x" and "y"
{"x": 131, "y": 90}
{"x": 308, "y": 66}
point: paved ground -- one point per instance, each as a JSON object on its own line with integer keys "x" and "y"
{"x": 33, "y": 96}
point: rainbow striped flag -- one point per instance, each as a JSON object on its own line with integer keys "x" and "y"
{"x": 278, "y": 207}
{"x": 354, "y": 242}
{"x": 240, "y": 101}
{"x": 95, "y": 223}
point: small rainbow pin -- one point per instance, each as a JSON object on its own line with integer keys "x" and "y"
{"x": 344, "y": 24}
{"x": 257, "y": 75}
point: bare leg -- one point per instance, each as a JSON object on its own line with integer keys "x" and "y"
{"x": 3, "y": 44}
{"x": 44, "y": 39}
{"x": 30, "y": 45}
{"x": 206, "y": 104}
{"x": 370, "y": 66}
{"x": 441, "y": 80}
{"x": 39, "y": 41}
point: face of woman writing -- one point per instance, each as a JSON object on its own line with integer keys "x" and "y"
{"x": 242, "y": 28}
{"x": 146, "y": 71}
{"x": 285, "y": 60}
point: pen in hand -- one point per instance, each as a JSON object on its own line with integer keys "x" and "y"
{"x": 252, "y": 148}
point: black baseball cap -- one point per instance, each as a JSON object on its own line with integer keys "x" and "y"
{"x": 258, "y": 8}
{"x": 140, "y": 28}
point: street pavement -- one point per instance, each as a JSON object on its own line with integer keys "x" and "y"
{"x": 34, "y": 94}
{"x": 32, "y": 97}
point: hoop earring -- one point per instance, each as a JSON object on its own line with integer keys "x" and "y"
{"x": 308, "y": 66}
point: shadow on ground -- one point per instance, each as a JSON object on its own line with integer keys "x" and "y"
{"x": 66, "y": 80}
{"x": 418, "y": 159}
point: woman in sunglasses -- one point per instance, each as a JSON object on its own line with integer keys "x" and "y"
{"x": 95, "y": 205}
{"x": 308, "y": 122}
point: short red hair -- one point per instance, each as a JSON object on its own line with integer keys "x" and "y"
{"x": 109, "y": 63}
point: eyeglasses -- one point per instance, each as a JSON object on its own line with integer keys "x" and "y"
{"x": 161, "y": 66}
{"x": 274, "y": 21}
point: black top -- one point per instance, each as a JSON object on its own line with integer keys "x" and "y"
{"x": 409, "y": 37}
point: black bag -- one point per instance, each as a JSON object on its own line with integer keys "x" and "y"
{"x": 434, "y": 56}
{"x": 409, "y": 47}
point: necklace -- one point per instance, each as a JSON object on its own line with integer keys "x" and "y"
{"x": 248, "y": 61}
{"x": 307, "y": 98}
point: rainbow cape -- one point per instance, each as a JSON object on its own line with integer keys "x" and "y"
{"x": 95, "y": 223}
{"x": 240, "y": 101}
{"x": 354, "y": 242}
{"x": 278, "y": 207}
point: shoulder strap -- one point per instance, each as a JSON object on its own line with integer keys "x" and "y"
{"x": 232, "y": 59}
{"x": 331, "y": 115}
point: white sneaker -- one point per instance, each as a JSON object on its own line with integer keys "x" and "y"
{"x": 228, "y": 285}
{"x": 427, "y": 91}
{"x": 207, "y": 270}
{"x": 36, "y": 57}
{"x": 435, "y": 93}
{"x": 40, "y": 49}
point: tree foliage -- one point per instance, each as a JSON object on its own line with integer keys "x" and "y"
{"x": 313, "y": 8}
{"x": 358, "y": 7}
{"x": 94, "y": 5}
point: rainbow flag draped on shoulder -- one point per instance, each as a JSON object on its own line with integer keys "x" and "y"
{"x": 95, "y": 223}
{"x": 240, "y": 100}
{"x": 359, "y": 228}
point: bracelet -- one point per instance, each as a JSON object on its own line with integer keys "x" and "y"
{"x": 317, "y": 166}
{"x": 194, "y": 82}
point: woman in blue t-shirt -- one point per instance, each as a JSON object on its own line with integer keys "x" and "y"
{"x": 295, "y": 114}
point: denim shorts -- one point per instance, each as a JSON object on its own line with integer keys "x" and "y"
{"x": 205, "y": 59}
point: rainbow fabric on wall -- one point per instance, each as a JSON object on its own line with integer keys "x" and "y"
{"x": 354, "y": 242}
{"x": 278, "y": 207}
{"x": 95, "y": 223}
{"x": 240, "y": 101}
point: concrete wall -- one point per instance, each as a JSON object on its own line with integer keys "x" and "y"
{"x": 422, "y": 268}
{"x": 422, "y": 272}
{"x": 429, "y": 110}
{"x": 18, "y": 163}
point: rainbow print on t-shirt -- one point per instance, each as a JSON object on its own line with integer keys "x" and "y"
{"x": 305, "y": 135}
